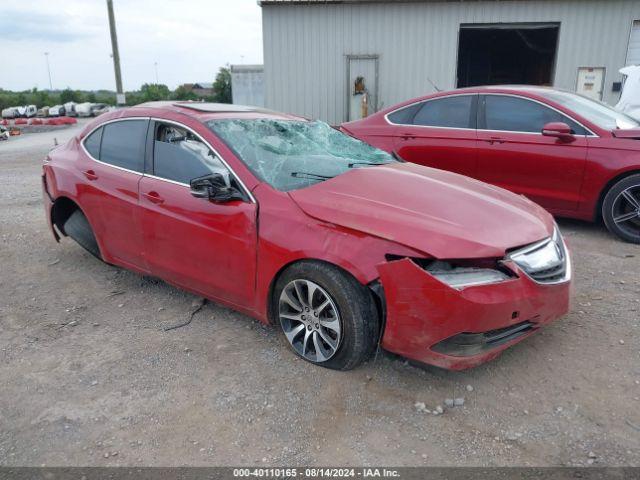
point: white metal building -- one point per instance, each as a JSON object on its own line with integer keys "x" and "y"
{"x": 247, "y": 85}
{"x": 322, "y": 56}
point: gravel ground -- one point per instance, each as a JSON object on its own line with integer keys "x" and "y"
{"x": 89, "y": 377}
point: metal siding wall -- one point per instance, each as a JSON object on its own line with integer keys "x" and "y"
{"x": 305, "y": 46}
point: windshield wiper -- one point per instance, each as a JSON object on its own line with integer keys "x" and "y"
{"x": 351, "y": 165}
{"x": 398, "y": 157}
{"x": 311, "y": 176}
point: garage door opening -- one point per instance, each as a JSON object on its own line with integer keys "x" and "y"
{"x": 495, "y": 54}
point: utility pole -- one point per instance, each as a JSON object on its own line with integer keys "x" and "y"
{"x": 155, "y": 64}
{"x": 46, "y": 55}
{"x": 120, "y": 100}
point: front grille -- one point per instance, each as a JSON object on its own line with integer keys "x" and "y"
{"x": 550, "y": 275}
{"x": 546, "y": 261}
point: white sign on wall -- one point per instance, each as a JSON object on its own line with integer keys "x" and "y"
{"x": 591, "y": 82}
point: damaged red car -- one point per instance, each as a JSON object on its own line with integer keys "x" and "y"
{"x": 340, "y": 245}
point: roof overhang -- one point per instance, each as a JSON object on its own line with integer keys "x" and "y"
{"x": 333, "y": 2}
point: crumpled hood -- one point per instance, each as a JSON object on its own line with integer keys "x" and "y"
{"x": 440, "y": 213}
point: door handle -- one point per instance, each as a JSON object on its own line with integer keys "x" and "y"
{"x": 493, "y": 140}
{"x": 153, "y": 197}
{"x": 90, "y": 174}
{"x": 407, "y": 136}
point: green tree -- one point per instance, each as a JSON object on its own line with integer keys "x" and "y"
{"x": 151, "y": 92}
{"x": 39, "y": 98}
{"x": 67, "y": 95}
{"x": 91, "y": 97}
{"x": 182, "y": 93}
{"x": 133, "y": 98}
{"x": 222, "y": 86}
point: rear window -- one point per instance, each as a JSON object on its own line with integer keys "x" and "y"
{"x": 92, "y": 143}
{"x": 123, "y": 144}
{"x": 404, "y": 115}
{"x": 450, "y": 112}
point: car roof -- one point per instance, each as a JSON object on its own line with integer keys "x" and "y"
{"x": 204, "y": 111}
{"x": 533, "y": 91}
{"x": 530, "y": 89}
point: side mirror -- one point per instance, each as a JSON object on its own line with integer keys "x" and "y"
{"x": 558, "y": 130}
{"x": 214, "y": 188}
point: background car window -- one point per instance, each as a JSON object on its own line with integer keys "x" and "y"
{"x": 123, "y": 144}
{"x": 404, "y": 115}
{"x": 92, "y": 143}
{"x": 180, "y": 156}
{"x": 513, "y": 114}
{"x": 453, "y": 112}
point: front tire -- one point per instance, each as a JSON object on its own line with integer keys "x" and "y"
{"x": 621, "y": 209}
{"x": 327, "y": 317}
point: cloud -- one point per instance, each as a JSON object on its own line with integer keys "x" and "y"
{"x": 189, "y": 40}
{"x": 32, "y": 26}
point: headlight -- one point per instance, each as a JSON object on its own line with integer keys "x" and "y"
{"x": 460, "y": 277}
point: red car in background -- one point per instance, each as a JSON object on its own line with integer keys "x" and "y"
{"x": 298, "y": 225}
{"x": 574, "y": 156}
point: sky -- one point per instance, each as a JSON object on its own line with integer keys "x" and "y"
{"x": 189, "y": 39}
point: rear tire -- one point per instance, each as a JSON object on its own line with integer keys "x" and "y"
{"x": 77, "y": 227}
{"x": 338, "y": 328}
{"x": 621, "y": 209}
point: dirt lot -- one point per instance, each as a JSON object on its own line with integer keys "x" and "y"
{"x": 89, "y": 377}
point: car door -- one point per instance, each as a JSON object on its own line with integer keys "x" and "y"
{"x": 513, "y": 153}
{"x": 206, "y": 247}
{"x": 438, "y": 133}
{"x": 111, "y": 172}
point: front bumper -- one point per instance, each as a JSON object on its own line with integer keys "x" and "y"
{"x": 431, "y": 322}
{"x": 48, "y": 206}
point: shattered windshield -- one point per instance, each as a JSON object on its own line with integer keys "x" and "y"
{"x": 293, "y": 154}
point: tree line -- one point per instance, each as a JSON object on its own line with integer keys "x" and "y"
{"x": 148, "y": 92}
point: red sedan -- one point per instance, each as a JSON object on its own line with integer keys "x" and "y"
{"x": 574, "y": 156}
{"x": 292, "y": 222}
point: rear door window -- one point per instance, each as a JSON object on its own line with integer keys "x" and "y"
{"x": 513, "y": 114}
{"x": 92, "y": 143}
{"x": 123, "y": 144}
{"x": 448, "y": 112}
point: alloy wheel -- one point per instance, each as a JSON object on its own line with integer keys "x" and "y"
{"x": 310, "y": 320}
{"x": 626, "y": 210}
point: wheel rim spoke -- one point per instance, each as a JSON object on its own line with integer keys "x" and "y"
{"x": 328, "y": 340}
{"x": 324, "y": 305}
{"x": 331, "y": 324}
{"x": 311, "y": 290}
{"x": 305, "y": 342}
{"x": 294, "y": 332}
{"x": 320, "y": 356}
{"x": 286, "y": 296}
{"x": 299, "y": 295}
{"x": 625, "y": 217}
{"x": 628, "y": 196}
{"x": 314, "y": 333}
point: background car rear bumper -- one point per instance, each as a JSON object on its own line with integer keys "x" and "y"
{"x": 430, "y": 322}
